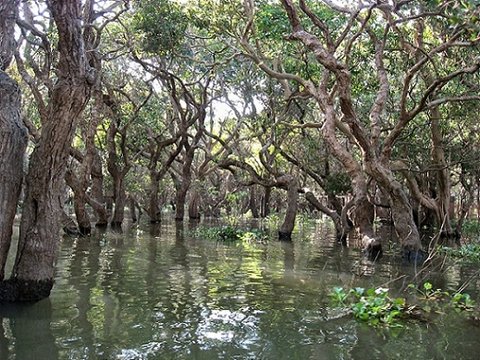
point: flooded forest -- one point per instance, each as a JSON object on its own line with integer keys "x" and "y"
{"x": 240, "y": 179}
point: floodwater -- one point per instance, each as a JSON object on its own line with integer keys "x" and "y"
{"x": 158, "y": 293}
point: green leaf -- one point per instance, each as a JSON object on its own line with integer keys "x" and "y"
{"x": 427, "y": 286}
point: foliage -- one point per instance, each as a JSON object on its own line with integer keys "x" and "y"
{"x": 230, "y": 233}
{"x": 471, "y": 228}
{"x": 162, "y": 22}
{"x": 272, "y": 220}
{"x": 338, "y": 183}
{"x": 436, "y": 299}
{"x": 377, "y": 307}
{"x": 373, "y": 306}
{"x": 304, "y": 219}
{"x": 469, "y": 252}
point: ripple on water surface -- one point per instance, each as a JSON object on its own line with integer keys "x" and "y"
{"x": 159, "y": 294}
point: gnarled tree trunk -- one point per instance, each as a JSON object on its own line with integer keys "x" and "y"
{"x": 97, "y": 197}
{"x": 79, "y": 203}
{"x": 402, "y": 213}
{"x": 39, "y": 239}
{"x": 252, "y": 202}
{"x": 265, "y": 208}
{"x": 341, "y": 231}
{"x": 154, "y": 212}
{"x": 286, "y": 229}
{"x": 120, "y": 199}
{"x": 13, "y": 134}
{"x": 194, "y": 205}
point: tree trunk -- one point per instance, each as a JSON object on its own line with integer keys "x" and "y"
{"x": 442, "y": 175}
{"x": 69, "y": 226}
{"x": 341, "y": 231}
{"x": 13, "y": 143}
{"x": 13, "y": 134}
{"x": 252, "y": 202}
{"x": 41, "y": 216}
{"x": 133, "y": 205}
{"x": 79, "y": 203}
{"x": 81, "y": 213}
{"x": 180, "y": 199}
{"x": 154, "y": 211}
{"x": 194, "y": 205}
{"x": 285, "y": 232}
{"x": 97, "y": 195}
{"x": 119, "y": 198}
{"x": 363, "y": 216}
{"x": 402, "y": 213}
{"x": 266, "y": 202}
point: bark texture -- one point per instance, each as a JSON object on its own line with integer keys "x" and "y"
{"x": 286, "y": 229}
{"x": 194, "y": 205}
{"x": 40, "y": 225}
{"x": 13, "y": 134}
{"x": 97, "y": 198}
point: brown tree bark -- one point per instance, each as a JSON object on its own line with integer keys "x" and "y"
{"x": 120, "y": 199}
{"x": 156, "y": 147}
{"x": 117, "y": 171}
{"x": 266, "y": 202}
{"x": 186, "y": 172}
{"x": 444, "y": 216}
{"x": 33, "y": 272}
{"x": 97, "y": 197}
{"x": 252, "y": 202}
{"x": 292, "y": 185}
{"x": 194, "y": 205}
{"x": 13, "y": 134}
{"x": 341, "y": 231}
{"x": 133, "y": 206}
{"x": 79, "y": 203}
{"x": 154, "y": 211}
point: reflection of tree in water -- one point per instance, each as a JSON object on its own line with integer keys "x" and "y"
{"x": 26, "y": 331}
{"x": 84, "y": 269}
{"x": 177, "y": 306}
{"x": 162, "y": 294}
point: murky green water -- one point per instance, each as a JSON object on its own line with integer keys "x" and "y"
{"x": 156, "y": 293}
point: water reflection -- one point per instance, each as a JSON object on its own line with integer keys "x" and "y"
{"x": 157, "y": 293}
{"x": 26, "y": 331}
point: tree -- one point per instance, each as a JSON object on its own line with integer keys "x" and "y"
{"x": 33, "y": 272}
{"x": 13, "y": 134}
{"x": 368, "y": 27}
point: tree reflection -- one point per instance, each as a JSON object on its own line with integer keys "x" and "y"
{"x": 26, "y": 331}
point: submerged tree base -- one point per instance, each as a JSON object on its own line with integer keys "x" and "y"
{"x": 16, "y": 290}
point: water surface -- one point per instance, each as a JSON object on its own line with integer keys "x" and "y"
{"x": 158, "y": 293}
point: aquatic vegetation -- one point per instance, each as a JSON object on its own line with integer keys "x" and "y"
{"x": 374, "y": 305}
{"x": 230, "y": 233}
{"x": 437, "y": 299}
{"x": 377, "y": 307}
{"x": 469, "y": 252}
